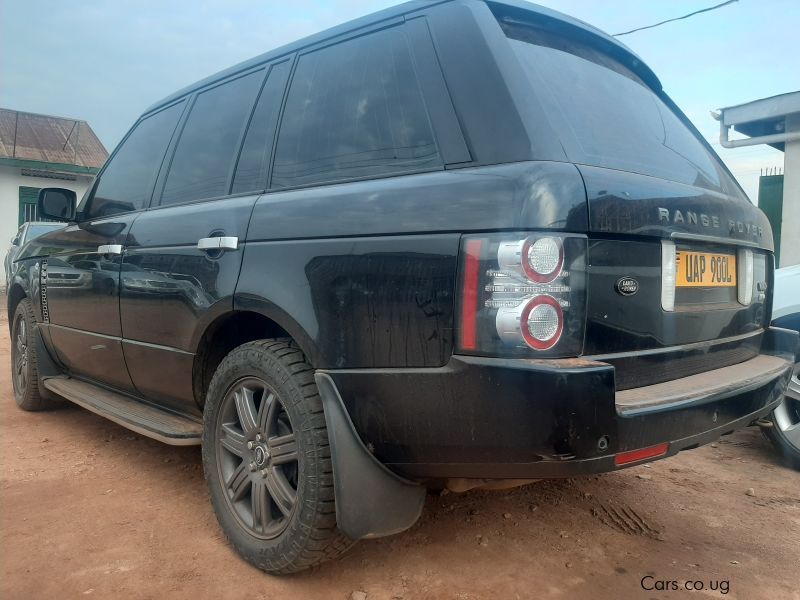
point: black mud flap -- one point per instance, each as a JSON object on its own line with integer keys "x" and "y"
{"x": 371, "y": 501}
{"x": 46, "y": 367}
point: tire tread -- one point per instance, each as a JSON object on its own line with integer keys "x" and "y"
{"x": 319, "y": 538}
{"x": 32, "y": 400}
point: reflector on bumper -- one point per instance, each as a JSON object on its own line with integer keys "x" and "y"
{"x": 626, "y": 458}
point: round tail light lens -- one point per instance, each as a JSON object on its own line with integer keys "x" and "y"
{"x": 541, "y": 322}
{"x": 542, "y": 259}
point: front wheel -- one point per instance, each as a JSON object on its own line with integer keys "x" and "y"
{"x": 24, "y": 360}
{"x": 267, "y": 460}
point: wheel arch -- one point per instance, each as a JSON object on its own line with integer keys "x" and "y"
{"x": 237, "y": 327}
{"x": 15, "y": 295}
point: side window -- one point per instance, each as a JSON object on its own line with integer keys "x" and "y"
{"x": 354, "y": 109}
{"x": 209, "y": 142}
{"x": 251, "y": 172}
{"x": 127, "y": 181}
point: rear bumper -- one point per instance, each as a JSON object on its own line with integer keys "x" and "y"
{"x": 518, "y": 419}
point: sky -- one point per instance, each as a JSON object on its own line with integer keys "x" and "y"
{"x": 106, "y": 61}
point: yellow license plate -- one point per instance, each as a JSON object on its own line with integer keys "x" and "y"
{"x": 705, "y": 269}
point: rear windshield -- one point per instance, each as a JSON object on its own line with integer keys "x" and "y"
{"x": 606, "y": 116}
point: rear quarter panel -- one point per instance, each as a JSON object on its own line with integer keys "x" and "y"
{"x": 363, "y": 274}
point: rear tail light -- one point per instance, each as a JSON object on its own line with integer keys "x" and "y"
{"x": 522, "y": 294}
{"x": 542, "y": 322}
{"x": 539, "y": 260}
{"x": 470, "y": 293}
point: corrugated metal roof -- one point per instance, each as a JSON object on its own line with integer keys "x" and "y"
{"x": 29, "y": 136}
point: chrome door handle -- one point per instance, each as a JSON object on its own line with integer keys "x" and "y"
{"x": 110, "y": 249}
{"x": 218, "y": 243}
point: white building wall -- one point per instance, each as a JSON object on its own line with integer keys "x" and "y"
{"x": 11, "y": 180}
{"x": 790, "y": 222}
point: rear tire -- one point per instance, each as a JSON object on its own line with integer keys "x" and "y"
{"x": 24, "y": 365}
{"x": 267, "y": 460}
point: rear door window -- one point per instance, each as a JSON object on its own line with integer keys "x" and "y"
{"x": 209, "y": 143}
{"x": 354, "y": 110}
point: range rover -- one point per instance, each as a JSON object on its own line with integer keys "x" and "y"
{"x": 453, "y": 243}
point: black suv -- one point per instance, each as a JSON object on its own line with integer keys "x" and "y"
{"x": 445, "y": 244}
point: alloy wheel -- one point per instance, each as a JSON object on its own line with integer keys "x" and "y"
{"x": 257, "y": 458}
{"x": 20, "y": 355}
{"x": 787, "y": 415}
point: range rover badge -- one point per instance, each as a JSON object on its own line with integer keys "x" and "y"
{"x": 627, "y": 286}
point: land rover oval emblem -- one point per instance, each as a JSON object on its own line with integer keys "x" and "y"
{"x": 627, "y": 286}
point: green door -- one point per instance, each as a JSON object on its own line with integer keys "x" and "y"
{"x": 27, "y": 204}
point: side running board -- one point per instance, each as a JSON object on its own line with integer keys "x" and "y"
{"x": 156, "y": 423}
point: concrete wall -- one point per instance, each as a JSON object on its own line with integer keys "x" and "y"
{"x": 790, "y": 223}
{"x": 11, "y": 180}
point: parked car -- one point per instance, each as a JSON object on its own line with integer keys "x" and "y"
{"x": 446, "y": 244}
{"x": 27, "y": 231}
{"x": 785, "y": 419}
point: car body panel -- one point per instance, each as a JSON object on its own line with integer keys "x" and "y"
{"x": 82, "y": 290}
{"x": 325, "y": 264}
{"x": 164, "y": 273}
{"x": 517, "y": 418}
{"x": 13, "y": 251}
{"x": 632, "y": 204}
